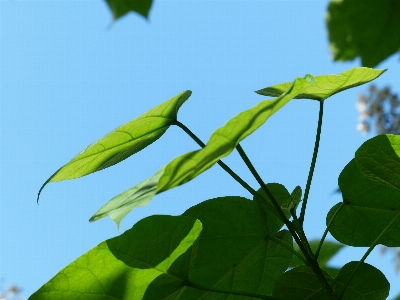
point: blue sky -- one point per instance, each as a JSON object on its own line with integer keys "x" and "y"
{"x": 69, "y": 75}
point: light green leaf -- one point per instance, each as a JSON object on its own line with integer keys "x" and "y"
{"x": 121, "y": 7}
{"x": 365, "y": 29}
{"x": 378, "y": 159}
{"x": 139, "y": 195}
{"x": 368, "y": 283}
{"x": 296, "y": 195}
{"x": 328, "y": 250}
{"x": 123, "y": 267}
{"x": 122, "y": 142}
{"x": 368, "y": 210}
{"x": 327, "y": 85}
{"x": 221, "y": 143}
{"x": 300, "y": 283}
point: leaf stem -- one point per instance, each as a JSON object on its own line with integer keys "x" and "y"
{"x": 302, "y": 242}
{"x": 213, "y": 290}
{"x": 387, "y": 228}
{"x": 312, "y": 262}
{"x": 313, "y": 161}
{"x": 226, "y": 168}
{"x": 327, "y": 229}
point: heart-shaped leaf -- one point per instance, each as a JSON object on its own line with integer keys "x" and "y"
{"x": 369, "y": 210}
{"x": 327, "y": 85}
{"x": 123, "y": 267}
{"x": 301, "y": 283}
{"x": 368, "y": 282}
{"x": 121, "y": 7}
{"x": 378, "y": 159}
{"x": 122, "y": 142}
{"x": 365, "y": 29}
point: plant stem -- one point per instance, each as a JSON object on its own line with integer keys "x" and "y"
{"x": 212, "y": 290}
{"x": 313, "y": 161}
{"x": 226, "y": 168}
{"x": 312, "y": 262}
{"x": 327, "y": 229}
{"x": 302, "y": 243}
{"x": 387, "y": 228}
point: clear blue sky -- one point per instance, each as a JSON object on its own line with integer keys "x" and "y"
{"x": 69, "y": 75}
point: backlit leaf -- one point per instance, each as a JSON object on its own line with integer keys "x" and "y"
{"x": 122, "y": 142}
{"x": 327, "y": 85}
{"x": 139, "y": 195}
{"x": 365, "y": 29}
{"x": 124, "y": 266}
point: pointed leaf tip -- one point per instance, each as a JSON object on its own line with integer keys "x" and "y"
{"x": 122, "y": 142}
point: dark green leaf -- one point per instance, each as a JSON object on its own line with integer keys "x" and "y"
{"x": 284, "y": 199}
{"x": 369, "y": 208}
{"x": 122, "y": 7}
{"x": 365, "y": 29}
{"x": 300, "y": 283}
{"x": 328, "y": 250}
{"x": 122, "y": 142}
{"x": 378, "y": 159}
{"x": 236, "y": 248}
{"x": 123, "y": 267}
{"x": 327, "y": 85}
{"x": 368, "y": 283}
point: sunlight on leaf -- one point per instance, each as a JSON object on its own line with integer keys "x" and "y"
{"x": 139, "y": 195}
{"x": 327, "y": 85}
{"x": 101, "y": 273}
{"x": 122, "y": 142}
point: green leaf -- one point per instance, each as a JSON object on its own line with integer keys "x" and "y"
{"x": 121, "y": 7}
{"x": 328, "y": 250}
{"x": 284, "y": 199}
{"x": 222, "y": 142}
{"x": 122, "y": 142}
{"x": 327, "y": 85}
{"x": 368, "y": 283}
{"x": 296, "y": 195}
{"x": 365, "y": 29}
{"x": 300, "y": 283}
{"x": 123, "y": 267}
{"x": 368, "y": 210}
{"x": 139, "y": 195}
{"x": 234, "y": 250}
{"x": 378, "y": 159}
